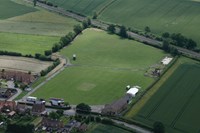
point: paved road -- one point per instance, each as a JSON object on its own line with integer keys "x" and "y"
{"x": 134, "y": 127}
{"x": 104, "y": 26}
{"x": 19, "y": 91}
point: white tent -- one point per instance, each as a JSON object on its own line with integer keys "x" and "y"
{"x": 133, "y": 91}
{"x": 166, "y": 60}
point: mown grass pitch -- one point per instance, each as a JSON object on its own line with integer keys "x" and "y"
{"x": 105, "y": 65}
{"x": 10, "y": 9}
{"x": 175, "y": 16}
{"x": 176, "y": 103}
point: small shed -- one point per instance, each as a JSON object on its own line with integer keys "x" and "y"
{"x": 133, "y": 91}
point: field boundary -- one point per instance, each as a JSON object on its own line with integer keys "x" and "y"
{"x": 145, "y": 93}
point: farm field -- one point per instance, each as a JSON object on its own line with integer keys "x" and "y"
{"x": 174, "y": 16}
{"x": 33, "y": 31}
{"x": 101, "y": 128}
{"x": 38, "y": 23}
{"x": 10, "y": 9}
{"x": 26, "y": 44}
{"x": 102, "y": 68}
{"x": 175, "y": 104}
{"x": 23, "y": 64}
{"x": 86, "y": 7}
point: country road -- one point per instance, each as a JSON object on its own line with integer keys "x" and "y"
{"x": 104, "y": 26}
{"x": 135, "y": 127}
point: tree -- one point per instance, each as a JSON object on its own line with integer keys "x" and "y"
{"x": 111, "y": 28}
{"x": 166, "y": 35}
{"x": 83, "y": 108}
{"x": 123, "y": 32}
{"x": 147, "y": 29}
{"x": 77, "y": 29}
{"x": 54, "y": 115}
{"x": 158, "y": 127}
{"x": 47, "y": 52}
{"x": 94, "y": 15}
{"x": 60, "y": 112}
{"x": 191, "y": 44}
{"x": 165, "y": 46}
{"x": 34, "y": 2}
{"x": 56, "y": 47}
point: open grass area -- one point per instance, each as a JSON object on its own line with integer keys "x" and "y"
{"x": 101, "y": 128}
{"x": 102, "y": 70}
{"x": 26, "y": 44}
{"x": 86, "y": 7}
{"x": 175, "y": 104}
{"x": 38, "y": 23}
{"x": 10, "y": 9}
{"x": 174, "y": 16}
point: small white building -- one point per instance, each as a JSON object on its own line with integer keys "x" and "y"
{"x": 133, "y": 91}
{"x": 166, "y": 60}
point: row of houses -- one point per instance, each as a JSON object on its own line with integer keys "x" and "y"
{"x": 23, "y": 77}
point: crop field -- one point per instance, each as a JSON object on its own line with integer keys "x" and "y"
{"x": 10, "y": 9}
{"x": 86, "y": 7}
{"x": 38, "y": 23}
{"x": 174, "y": 16}
{"x": 30, "y": 30}
{"x": 23, "y": 64}
{"x": 102, "y": 68}
{"x": 101, "y": 128}
{"x": 176, "y": 103}
{"x": 26, "y": 44}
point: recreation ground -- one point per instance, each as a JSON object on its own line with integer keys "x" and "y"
{"x": 105, "y": 65}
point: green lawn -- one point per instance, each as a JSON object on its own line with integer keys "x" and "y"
{"x": 174, "y": 16}
{"x": 101, "y": 128}
{"x": 26, "y": 44}
{"x": 10, "y": 9}
{"x": 86, "y": 7}
{"x": 176, "y": 103}
{"x": 105, "y": 65}
{"x": 38, "y": 23}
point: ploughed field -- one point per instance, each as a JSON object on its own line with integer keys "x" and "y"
{"x": 30, "y": 30}
{"x": 23, "y": 64}
{"x": 176, "y": 103}
{"x": 105, "y": 65}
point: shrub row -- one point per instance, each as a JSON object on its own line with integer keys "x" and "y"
{"x": 55, "y": 63}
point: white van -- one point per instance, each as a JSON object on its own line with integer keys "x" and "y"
{"x": 31, "y": 99}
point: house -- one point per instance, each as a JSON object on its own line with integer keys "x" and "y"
{"x": 7, "y": 106}
{"x": 38, "y": 109}
{"x": 21, "y": 108}
{"x": 17, "y": 76}
{"x": 117, "y": 106}
{"x": 46, "y": 122}
{"x": 82, "y": 128}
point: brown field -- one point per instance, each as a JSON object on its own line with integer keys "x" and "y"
{"x": 23, "y": 64}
